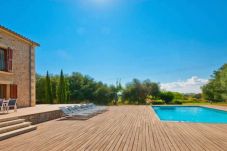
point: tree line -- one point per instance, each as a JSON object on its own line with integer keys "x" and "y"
{"x": 74, "y": 88}
{"x": 52, "y": 89}
{"x": 216, "y": 89}
{"x": 78, "y": 88}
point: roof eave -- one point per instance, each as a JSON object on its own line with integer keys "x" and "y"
{"x": 19, "y": 36}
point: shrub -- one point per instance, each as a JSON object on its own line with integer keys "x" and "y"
{"x": 158, "y": 102}
{"x": 176, "y": 102}
{"x": 166, "y": 96}
{"x": 137, "y": 92}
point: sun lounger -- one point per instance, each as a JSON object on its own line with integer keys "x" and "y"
{"x": 95, "y": 109}
{"x": 72, "y": 115}
{"x": 68, "y": 112}
{"x": 100, "y": 108}
{"x": 80, "y": 110}
{"x": 88, "y": 108}
{"x": 83, "y": 111}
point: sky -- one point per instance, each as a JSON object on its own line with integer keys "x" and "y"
{"x": 177, "y": 43}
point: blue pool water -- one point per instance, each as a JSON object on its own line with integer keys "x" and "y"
{"x": 190, "y": 114}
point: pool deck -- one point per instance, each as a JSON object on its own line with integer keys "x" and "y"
{"x": 224, "y": 108}
{"x": 31, "y": 110}
{"x": 122, "y": 128}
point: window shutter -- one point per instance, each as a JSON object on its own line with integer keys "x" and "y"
{"x": 2, "y": 91}
{"x": 13, "y": 91}
{"x": 9, "y": 59}
{"x": 6, "y": 60}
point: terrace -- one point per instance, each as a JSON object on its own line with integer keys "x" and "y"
{"x": 121, "y": 128}
{"x": 36, "y": 114}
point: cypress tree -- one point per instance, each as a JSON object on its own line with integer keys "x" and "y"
{"x": 61, "y": 90}
{"x": 67, "y": 91}
{"x": 48, "y": 90}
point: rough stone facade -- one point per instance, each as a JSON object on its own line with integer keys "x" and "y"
{"x": 42, "y": 117}
{"x": 23, "y": 67}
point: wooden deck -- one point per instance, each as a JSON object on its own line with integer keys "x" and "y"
{"x": 134, "y": 128}
{"x": 31, "y": 110}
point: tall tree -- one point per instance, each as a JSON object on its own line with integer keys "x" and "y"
{"x": 61, "y": 89}
{"x": 216, "y": 89}
{"x": 118, "y": 85}
{"x": 151, "y": 88}
{"x": 40, "y": 89}
{"x": 67, "y": 91}
{"x": 48, "y": 90}
{"x": 136, "y": 92}
{"x": 166, "y": 96}
{"x": 54, "y": 84}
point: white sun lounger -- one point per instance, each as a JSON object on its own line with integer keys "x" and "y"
{"x": 69, "y": 113}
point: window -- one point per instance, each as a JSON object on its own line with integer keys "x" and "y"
{"x": 2, "y": 60}
{"x": 6, "y": 59}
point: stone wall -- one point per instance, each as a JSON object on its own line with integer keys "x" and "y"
{"x": 43, "y": 117}
{"x": 21, "y": 74}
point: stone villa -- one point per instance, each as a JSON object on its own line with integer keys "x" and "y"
{"x": 17, "y": 67}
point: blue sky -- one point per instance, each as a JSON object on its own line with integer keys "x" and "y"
{"x": 166, "y": 41}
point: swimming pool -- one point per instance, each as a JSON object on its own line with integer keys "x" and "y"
{"x": 190, "y": 114}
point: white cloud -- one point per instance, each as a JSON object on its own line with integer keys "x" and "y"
{"x": 191, "y": 85}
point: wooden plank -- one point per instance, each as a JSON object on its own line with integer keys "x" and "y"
{"x": 121, "y": 128}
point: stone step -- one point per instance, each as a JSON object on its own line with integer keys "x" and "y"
{"x": 14, "y": 127}
{"x": 8, "y": 119}
{"x": 13, "y": 122}
{"x": 17, "y": 132}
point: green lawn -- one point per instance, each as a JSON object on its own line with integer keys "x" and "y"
{"x": 206, "y": 103}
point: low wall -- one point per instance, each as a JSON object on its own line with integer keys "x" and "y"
{"x": 42, "y": 117}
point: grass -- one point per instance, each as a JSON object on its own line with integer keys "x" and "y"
{"x": 206, "y": 103}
